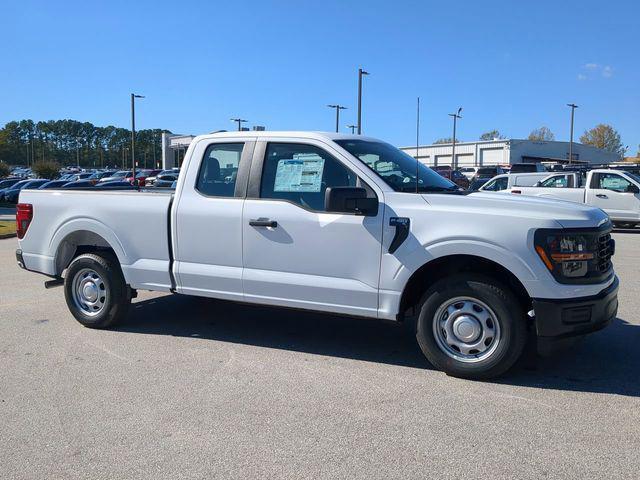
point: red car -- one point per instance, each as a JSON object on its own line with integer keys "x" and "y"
{"x": 141, "y": 176}
{"x": 454, "y": 175}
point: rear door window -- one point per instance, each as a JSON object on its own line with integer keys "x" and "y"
{"x": 219, "y": 169}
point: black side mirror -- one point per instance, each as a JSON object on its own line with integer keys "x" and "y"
{"x": 633, "y": 188}
{"x": 350, "y": 200}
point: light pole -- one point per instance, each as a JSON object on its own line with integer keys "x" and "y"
{"x": 353, "y": 128}
{"x": 338, "y": 108}
{"x": 239, "y": 121}
{"x": 455, "y": 116}
{"x": 361, "y": 73}
{"x": 133, "y": 136}
{"x": 573, "y": 108}
{"x": 624, "y": 152}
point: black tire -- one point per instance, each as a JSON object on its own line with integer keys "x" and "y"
{"x": 510, "y": 316}
{"x": 111, "y": 288}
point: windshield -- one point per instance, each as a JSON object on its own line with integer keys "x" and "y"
{"x": 634, "y": 176}
{"x": 397, "y": 168}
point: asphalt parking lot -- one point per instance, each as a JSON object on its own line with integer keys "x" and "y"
{"x": 196, "y": 388}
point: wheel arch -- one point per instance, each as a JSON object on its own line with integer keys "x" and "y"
{"x": 78, "y": 242}
{"x": 444, "y": 266}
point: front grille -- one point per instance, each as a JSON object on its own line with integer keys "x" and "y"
{"x": 604, "y": 252}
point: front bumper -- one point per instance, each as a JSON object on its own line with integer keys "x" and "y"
{"x": 557, "y": 318}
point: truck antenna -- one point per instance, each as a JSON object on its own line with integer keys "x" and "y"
{"x": 417, "y": 143}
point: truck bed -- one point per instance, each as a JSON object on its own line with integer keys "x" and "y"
{"x": 134, "y": 223}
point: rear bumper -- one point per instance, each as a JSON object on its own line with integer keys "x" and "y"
{"x": 576, "y": 316}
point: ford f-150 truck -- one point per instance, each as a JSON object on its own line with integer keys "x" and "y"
{"x": 334, "y": 223}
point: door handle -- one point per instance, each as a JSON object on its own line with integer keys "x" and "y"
{"x": 263, "y": 222}
{"x": 601, "y": 195}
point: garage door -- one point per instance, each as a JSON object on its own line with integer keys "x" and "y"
{"x": 465, "y": 160}
{"x": 443, "y": 160}
{"x": 491, "y": 156}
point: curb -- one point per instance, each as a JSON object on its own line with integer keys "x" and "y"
{"x": 7, "y": 235}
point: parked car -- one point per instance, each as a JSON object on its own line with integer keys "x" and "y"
{"x": 97, "y": 176}
{"x": 115, "y": 185}
{"x": 469, "y": 172}
{"x": 527, "y": 168}
{"x": 165, "y": 179}
{"x": 8, "y": 182}
{"x": 52, "y": 184}
{"x": 614, "y": 191}
{"x": 11, "y": 195}
{"x": 489, "y": 172}
{"x": 150, "y": 181}
{"x": 507, "y": 180}
{"x": 142, "y": 175}
{"x": 78, "y": 185}
{"x": 119, "y": 175}
{"x": 339, "y": 224}
{"x": 454, "y": 175}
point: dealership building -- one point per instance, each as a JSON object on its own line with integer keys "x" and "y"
{"x": 508, "y": 152}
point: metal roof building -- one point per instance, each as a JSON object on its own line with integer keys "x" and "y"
{"x": 507, "y": 152}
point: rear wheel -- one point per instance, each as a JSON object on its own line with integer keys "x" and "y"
{"x": 471, "y": 326}
{"x": 95, "y": 290}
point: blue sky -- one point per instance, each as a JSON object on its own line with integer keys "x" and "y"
{"x": 511, "y": 65}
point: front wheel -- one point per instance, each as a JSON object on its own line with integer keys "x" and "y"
{"x": 95, "y": 290}
{"x": 471, "y": 326}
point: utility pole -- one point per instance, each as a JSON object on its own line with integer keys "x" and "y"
{"x": 361, "y": 73}
{"x": 133, "y": 134}
{"x": 455, "y": 116}
{"x": 338, "y": 108}
{"x": 573, "y": 108}
{"x": 353, "y": 128}
{"x": 239, "y": 121}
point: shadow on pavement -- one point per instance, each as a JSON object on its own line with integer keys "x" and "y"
{"x": 604, "y": 362}
{"x": 321, "y": 334}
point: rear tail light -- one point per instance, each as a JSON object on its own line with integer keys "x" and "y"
{"x": 24, "y": 214}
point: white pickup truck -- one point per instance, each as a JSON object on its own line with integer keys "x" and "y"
{"x": 614, "y": 191}
{"x": 333, "y": 223}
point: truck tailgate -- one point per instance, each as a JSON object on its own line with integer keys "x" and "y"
{"x": 134, "y": 224}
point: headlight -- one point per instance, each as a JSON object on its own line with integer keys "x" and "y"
{"x": 576, "y": 257}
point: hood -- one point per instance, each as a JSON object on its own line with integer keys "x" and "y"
{"x": 567, "y": 214}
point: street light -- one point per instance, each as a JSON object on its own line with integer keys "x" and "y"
{"x": 455, "y": 116}
{"x": 338, "y": 108}
{"x": 573, "y": 108}
{"x": 239, "y": 121}
{"x": 353, "y": 128}
{"x": 361, "y": 73}
{"x": 133, "y": 134}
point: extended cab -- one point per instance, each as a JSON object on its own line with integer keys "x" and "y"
{"x": 614, "y": 191}
{"x": 333, "y": 223}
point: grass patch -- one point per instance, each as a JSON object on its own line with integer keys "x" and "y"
{"x": 7, "y": 227}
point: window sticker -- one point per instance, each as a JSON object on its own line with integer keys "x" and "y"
{"x": 613, "y": 183}
{"x": 299, "y": 174}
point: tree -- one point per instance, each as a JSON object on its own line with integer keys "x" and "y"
{"x": 542, "y": 134}
{"x": 46, "y": 169}
{"x": 4, "y": 170}
{"x": 605, "y": 137}
{"x": 491, "y": 135}
{"x": 445, "y": 140}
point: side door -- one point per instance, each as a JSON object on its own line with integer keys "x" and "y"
{"x": 208, "y": 219}
{"x": 295, "y": 253}
{"x": 615, "y": 194}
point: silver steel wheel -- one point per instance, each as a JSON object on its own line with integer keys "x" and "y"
{"x": 466, "y": 329}
{"x": 89, "y": 292}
